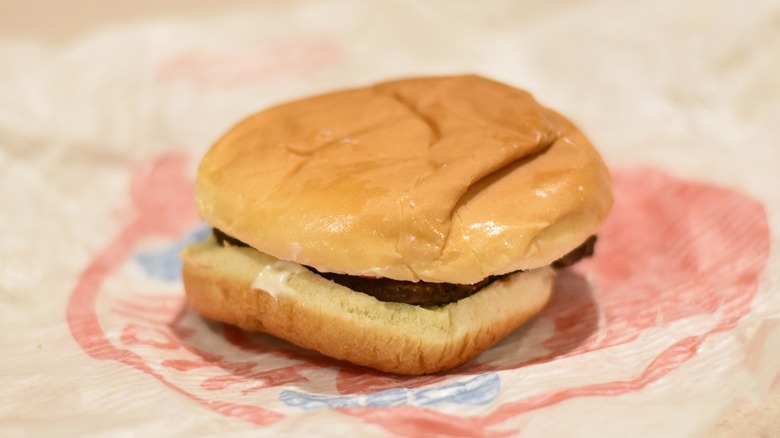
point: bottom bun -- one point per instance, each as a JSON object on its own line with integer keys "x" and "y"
{"x": 310, "y": 311}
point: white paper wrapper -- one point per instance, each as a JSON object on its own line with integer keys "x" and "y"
{"x": 672, "y": 329}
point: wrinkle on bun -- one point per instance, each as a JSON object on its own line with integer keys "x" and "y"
{"x": 446, "y": 179}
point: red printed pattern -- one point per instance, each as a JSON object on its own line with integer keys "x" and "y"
{"x": 252, "y": 65}
{"x": 671, "y": 250}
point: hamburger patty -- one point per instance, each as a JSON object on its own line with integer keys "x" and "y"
{"x": 419, "y": 293}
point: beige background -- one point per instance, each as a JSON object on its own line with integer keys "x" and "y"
{"x": 753, "y": 47}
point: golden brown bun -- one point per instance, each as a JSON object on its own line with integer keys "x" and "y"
{"x": 340, "y": 323}
{"x": 445, "y": 179}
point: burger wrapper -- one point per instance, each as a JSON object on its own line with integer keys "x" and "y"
{"x": 671, "y": 329}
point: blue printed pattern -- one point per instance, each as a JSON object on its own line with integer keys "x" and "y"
{"x": 165, "y": 264}
{"x": 479, "y": 390}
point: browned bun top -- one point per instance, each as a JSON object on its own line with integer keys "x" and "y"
{"x": 445, "y": 179}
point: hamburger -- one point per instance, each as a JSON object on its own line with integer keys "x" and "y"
{"x": 406, "y": 226}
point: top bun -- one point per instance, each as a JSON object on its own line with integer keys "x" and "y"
{"x": 444, "y": 179}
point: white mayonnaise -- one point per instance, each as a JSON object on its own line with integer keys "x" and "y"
{"x": 273, "y": 278}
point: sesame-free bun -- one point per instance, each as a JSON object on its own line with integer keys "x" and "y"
{"x": 446, "y": 179}
{"x": 320, "y": 315}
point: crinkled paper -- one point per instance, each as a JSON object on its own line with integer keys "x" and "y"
{"x": 672, "y": 329}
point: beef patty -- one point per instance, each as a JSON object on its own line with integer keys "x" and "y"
{"x": 420, "y": 293}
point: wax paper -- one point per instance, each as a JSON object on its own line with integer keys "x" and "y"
{"x": 671, "y": 329}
